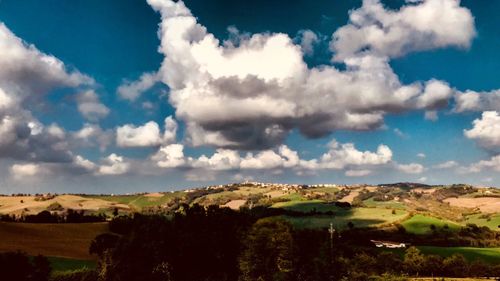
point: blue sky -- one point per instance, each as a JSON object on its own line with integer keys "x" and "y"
{"x": 324, "y": 91}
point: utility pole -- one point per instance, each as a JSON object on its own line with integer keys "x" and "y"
{"x": 331, "y": 230}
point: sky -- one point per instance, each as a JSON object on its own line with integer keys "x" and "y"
{"x": 129, "y": 96}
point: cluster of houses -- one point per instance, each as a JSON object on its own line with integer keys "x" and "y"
{"x": 388, "y": 244}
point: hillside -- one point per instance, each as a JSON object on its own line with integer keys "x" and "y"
{"x": 367, "y": 205}
{"x": 62, "y": 240}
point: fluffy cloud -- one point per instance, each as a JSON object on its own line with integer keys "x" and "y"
{"x": 426, "y": 25}
{"x": 170, "y": 156}
{"x": 446, "y": 165}
{"x": 114, "y": 165}
{"x": 146, "y": 135}
{"x": 307, "y": 39}
{"x": 90, "y": 106}
{"x": 26, "y": 76}
{"x": 477, "y": 101}
{"x": 338, "y": 157}
{"x": 492, "y": 164}
{"x": 412, "y": 168}
{"x": 132, "y": 136}
{"x": 25, "y": 70}
{"x": 251, "y": 94}
{"x": 91, "y": 135}
{"x": 21, "y": 171}
{"x": 486, "y": 131}
{"x": 132, "y": 90}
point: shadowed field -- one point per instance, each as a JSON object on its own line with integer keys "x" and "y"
{"x": 55, "y": 240}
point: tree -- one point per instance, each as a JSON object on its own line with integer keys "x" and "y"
{"x": 268, "y": 255}
{"x": 413, "y": 261}
{"x": 41, "y": 268}
{"x": 455, "y": 266}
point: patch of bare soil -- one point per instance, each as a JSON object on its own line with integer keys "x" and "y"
{"x": 235, "y": 204}
{"x": 485, "y": 204}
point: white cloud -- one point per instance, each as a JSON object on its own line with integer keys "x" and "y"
{"x": 141, "y": 136}
{"x": 26, "y": 70}
{"x": 26, "y": 77}
{"x": 412, "y": 168}
{"x": 146, "y": 135}
{"x": 421, "y": 155}
{"x": 435, "y": 95}
{"x": 132, "y": 90}
{"x": 270, "y": 89}
{"x": 266, "y": 159}
{"x": 170, "y": 156}
{"x": 492, "y": 164}
{"x": 88, "y": 165}
{"x": 477, "y": 101}
{"x": 446, "y": 165}
{"x": 307, "y": 39}
{"x": 340, "y": 156}
{"x": 114, "y": 165}
{"x": 90, "y": 106}
{"x": 486, "y": 131}
{"x": 91, "y": 135}
{"x": 20, "y": 171}
{"x": 426, "y": 25}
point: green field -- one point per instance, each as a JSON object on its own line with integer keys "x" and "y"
{"x": 360, "y": 217}
{"x": 420, "y": 224}
{"x": 138, "y": 201}
{"x": 306, "y": 206}
{"x": 384, "y": 204}
{"x": 64, "y": 264}
{"x": 489, "y": 255}
{"x": 493, "y": 222}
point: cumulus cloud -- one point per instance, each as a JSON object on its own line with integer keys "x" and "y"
{"x": 132, "y": 90}
{"x": 26, "y": 70}
{"x": 92, "y": 135}
{"x": 90, "y": 106}
{"x": 146, "y": 135}
{"x": 27, "y": 75}
{"x": 423, "y": 26}
{"x": 250, "y": 95}
{"x": 21, "y": 171}
{"x": 471, "y": 101}
{"x": 132, "y": 136}
{"x": 412, "y": 168}
{"x": 170, "y": 156}
{"x": 492, "y": 164}
{"x": 114, "y": 165}
{"x": 338, "y": 157}
{"x": 308, "y": 40}
{"x": 486, "y": 131}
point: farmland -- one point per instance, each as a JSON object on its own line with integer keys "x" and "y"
{"x": 56, "y": 240}
{"x": 420, "y": 224}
